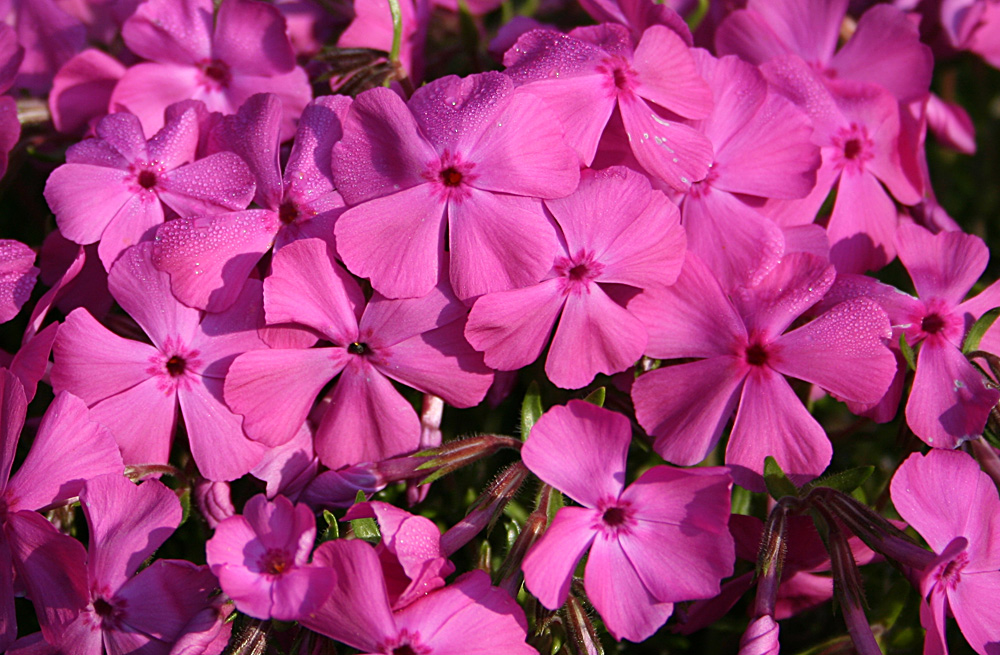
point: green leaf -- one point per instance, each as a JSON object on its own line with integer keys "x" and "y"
{"x": 846, "y": 481}
{"x": 365, "y": 529}
{"x": 332, "y": 530}
{"x": 911, "y": 359}
{"x": 531, "y": 409}
{"x": 777, "y": 483}
{"x": 741, "y": 500}
{"x": 185, "y": 498}
{"x": 978, "y": 329}
{"x": 596, "y": 397}
{"x": 698, "y": 15}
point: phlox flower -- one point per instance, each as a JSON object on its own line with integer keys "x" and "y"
{"x": 219, "y": 59}
{"x": 112, "y": 189}
{"x": 262, "y": 560}
{"x": 50, "y": 37}
{"x": 594, "y": 72}
{"x": 954, "y": 506}
{"x": 209, "y": 257}
{"x": 121, "y": 611}
{"x": 618, "y": 235}
{"x": 135, "y": 388}
{"x": 468, "y": 617}
{"x": 468, "y": 155}
{"x": 949, "y": 400}
{"x": 659, "y": 541}
{"x": 69, "y": 448}
{"x": 11, "y": 60}
{"x": 417, "y": 341}
{"x": 743, "y": 353}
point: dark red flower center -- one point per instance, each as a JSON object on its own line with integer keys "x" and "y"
{"x": 288, "y": 212}
{"x": 147, "y": 179}
{"x": 451, "y": 176}
{"x": 614, "y": 516}
{"x": 275, "y": 562}
{"x": 756, "y": 355}
{"x": 405, "y": 649}
{"x": 103, "y": 608}
{"x": 932, "y": 323}
{"x": 217, "y": 71}
{"x": 176, "y": 366}
{"x": 358, "y": 348}
{"x": 621, "y": 79}
{"x": 852, "y": 149}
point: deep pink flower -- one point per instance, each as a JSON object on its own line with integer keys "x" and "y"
{"x": 468, "y": 617}
{"x": 594, "y": 72}
{"x": 417, "y": 341}
{"x": 262, "y": 560}
{"x": 122, "y": 611}
{"x": 50, "y": 37}
{"x": 69, "y": 448}
{"x": 135, "y": 388}
{"x": 470, "y": 155}
{"x": 743, "y": 353}
{"x": 219, "y": 59}
{"x": 954, "y": 506}
{"x": 661, "y": 540}
{"x": 619, "y": 235}
{"x": 209, "y": 257}
{"x": 112, "y": 189}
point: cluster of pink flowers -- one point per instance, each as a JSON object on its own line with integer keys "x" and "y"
{"x": 679, "y": 237}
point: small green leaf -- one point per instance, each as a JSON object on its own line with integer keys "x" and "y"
{"x": 741, "y": 500}
{"x": 698, "y": 15}
{"x": 185, "y": 498}
{"x": 332, "y": 530}
{"x": 365, "y": 529}
{"x": 777, "y": 483}
{"x": 846, "y": 481}
{"x": 911, "y": 359}
{"x": 978, "y": 329}
{"x": 596, "y": 397}
{"x": 531, "y": 409}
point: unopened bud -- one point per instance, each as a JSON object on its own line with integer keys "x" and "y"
{"x": 581, "y": 634}
{"x": 761, "y": 637}
{"x": 486, "y": 509}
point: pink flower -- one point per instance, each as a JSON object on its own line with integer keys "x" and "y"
{"x": 246, "y": 52}
{"x": 17, "y": 277}
{"x": 262, "y": 560}
{"x": 946, "y": 498}
{"x": 592, "y": 72}
{"x": 619, "y": 235}
{"x": 469, "y": 617}
{"x": 112, "y": 189}
{"x": 135, "y": 388}
{"x": 744, "y": 355}
{"x": 469, "y": 155}
{"x": 417, "y": 341}
{"x": 662, "y": 540}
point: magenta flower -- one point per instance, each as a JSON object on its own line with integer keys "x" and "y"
{"x": 69, "y": 448}
{"x": 246, "y": 52}
{"x": 953, "y": 505}
{"x": 135, "y": 388}
{"x": 122, "y": 611}
{"x": 262, "y": 560}
{"x": 743, "y": 355}
{"x": 662, "y": 540}
{"x": 209, "y": 257}
{"x": 592, "y": 72}
{"x": 418, "y": 342}
{"x": 469, "y": 617}
{"x": 467, "y": 154}
{"x": 619, "y": 235}
{"x": 17, "y": 277}
{"x": 112, "y": 189}
{"x": 949, "y": 400}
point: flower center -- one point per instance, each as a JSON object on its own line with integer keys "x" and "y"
{"x": 175, "y": 366}
{"x": 756, "y": 354}
{"x": 932, "y": 323}
{"x": 216, "y": 73}
{"x": 147, "y": 179}
{"x": 852, "y": 149}
{"x": 103, "y": 608}
{"x": 614, "y": 516}
{"x": 358, "y": 348}
{"x": 577, "y": 271}
{"x": 288, "y": 212}
{"x": 451, "y": 176}
{"x": 951, "y": 573}
{"x": 855, "y": 146}
{"x": 275, "y": 562}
